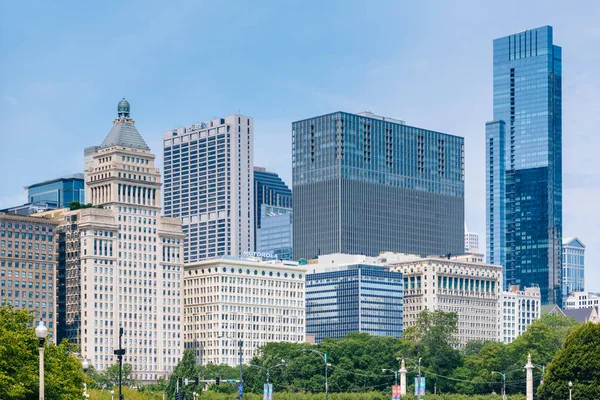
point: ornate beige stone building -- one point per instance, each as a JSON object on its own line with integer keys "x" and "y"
{"x": 122, "y": 264}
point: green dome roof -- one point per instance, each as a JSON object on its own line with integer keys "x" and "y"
{"x": 123, "y": 109}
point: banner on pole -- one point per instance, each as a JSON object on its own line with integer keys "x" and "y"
{"x": 419, "y": 386}
{"x": 268, "y": 391}
{"x": 396, "y": 392}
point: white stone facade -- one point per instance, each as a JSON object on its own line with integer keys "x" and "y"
{"x": 228, "y": 299}
{"x": 519, "y": 309}
{"x": 461, "y": 284}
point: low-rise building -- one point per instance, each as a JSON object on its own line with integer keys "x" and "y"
{"x": 583, "y": 300}
{"x": 28, "y": 266}
{"x": 228, "y": 300}
{"x": 461, "y": 284}
{"x": 349, "y": 298}
{"x": 519, "y": 309}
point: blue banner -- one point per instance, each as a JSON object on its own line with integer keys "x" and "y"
{"x": 419, "y": 386}
{"x": 240, "y": 389}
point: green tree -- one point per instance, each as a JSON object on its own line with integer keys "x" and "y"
{"x": 433, "y": 339}
{"x": 111, "y": 375}
{"x": 19, "y": 362}
{"x": 579, "y": 362}
{"x": 186, "y": 368}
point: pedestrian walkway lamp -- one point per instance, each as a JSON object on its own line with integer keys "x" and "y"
{"x": 394, "y": 372}
{"x": 570, "y": 390}
{"x": 41, "y": 332}
{"x": 324, "y": 357}
{"x": 504, "y": 383}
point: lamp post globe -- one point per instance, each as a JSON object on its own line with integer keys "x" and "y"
{"x": 41, "y": 331}
{"x": 85, "y": 364}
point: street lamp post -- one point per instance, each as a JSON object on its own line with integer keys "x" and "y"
{"x": 394, "y": 372}
{"x": 241, "y": 353}
{"x": 570, "y": 390}
{"x": 120, "y": 353}
{"x": 41, "y": 332}
{"x": 324, "y": 357}
{"x": 504, "y": 383}
{"x": 112, "y": 395}
{"x": 85, "y": 365}
{"x": 419, "y": 374}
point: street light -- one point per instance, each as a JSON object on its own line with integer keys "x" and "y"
{"x": 570, "y": 390}
{"x": 419, "y": 376}
{"x": 85, "y": 365}
{"x": 241, "y": 353}
{"x": 112, "y": 395}
{"x": 268, "y": 370}
{"x": 395, "y": 373}
{"x": 504, "y": 383}
{"x": 324, "y": 357}
{"x": 41, "y": 332}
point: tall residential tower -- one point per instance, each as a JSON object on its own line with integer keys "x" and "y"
{"x": 523, "y": 163}
{"x": 363, "y": 184}
{"x": 209, "y": 185}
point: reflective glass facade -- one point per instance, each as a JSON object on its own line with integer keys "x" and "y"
{"x": 275, "y": 234}
{"x": 361, "y": 298}
{"x": 271, "y": 190}
{"x": 61, "y": 191}
{"x": 573, "y": 266}
{"x": 524, "y": 178}
{"x": 363, "y": 184}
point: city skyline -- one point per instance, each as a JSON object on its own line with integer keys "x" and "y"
{"x": 39, "y": 92}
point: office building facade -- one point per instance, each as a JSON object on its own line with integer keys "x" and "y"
{"x": 573, "y": 266}
{"x": 583, "y": 300}
{"x": 363, "y": 184}
{"x": 275, "y": 235}
{"x": 462, "y": 284}
{"x": 228, "y": 300}
{"x": 28, "y": 267}
{"x": 61, "y": 191}
{"x": 271, "y": 190}
{"x": 121, "y": 265}
{"x": 472, "y": 242}
{"x": 519, "y": 309}
{"x": 524, "y": 162}
{"x": 354, "y": 298}
{"x": 209, "y": 185}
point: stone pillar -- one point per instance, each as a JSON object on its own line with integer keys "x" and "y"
{"x": 403, "y": 372}
{"x": 529, "y": 368}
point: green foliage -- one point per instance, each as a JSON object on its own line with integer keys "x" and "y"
{"x": 578, "y": 361}
{"x": 19, "y": 362}
{"x": 129, "y": 394}
{"x": 75, "y": 205}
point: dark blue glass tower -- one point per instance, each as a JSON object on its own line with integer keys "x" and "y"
{"x": 271, "y": 190}
{"x": 524, "y": 170}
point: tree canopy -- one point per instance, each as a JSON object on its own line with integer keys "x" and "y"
{"x": 19, "y": 362}
{"x": 578, "y": 362}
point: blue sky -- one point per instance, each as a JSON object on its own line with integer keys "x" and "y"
{"x": 65, "y": 65}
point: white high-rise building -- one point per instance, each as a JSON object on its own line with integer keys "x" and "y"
{"x": 519, "y": 309}
{"x": 209, "y": 185}
{"x": 229, "y": 300}
{"x": 471, "y": 242}
{"x": 123, "y": 263}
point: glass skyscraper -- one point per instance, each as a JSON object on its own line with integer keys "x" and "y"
{"x": 275, "y": 234}
{"x": 271, "y": 190}
{"x": 355, "y": 298}
{"x": 363, "y": 184}
{"x": 523, "y": 162}
{"x": 573, "y": 266}
{"x": 63, "y": 191}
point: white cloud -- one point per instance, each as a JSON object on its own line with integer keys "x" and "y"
{"x": 11, "y": 100}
